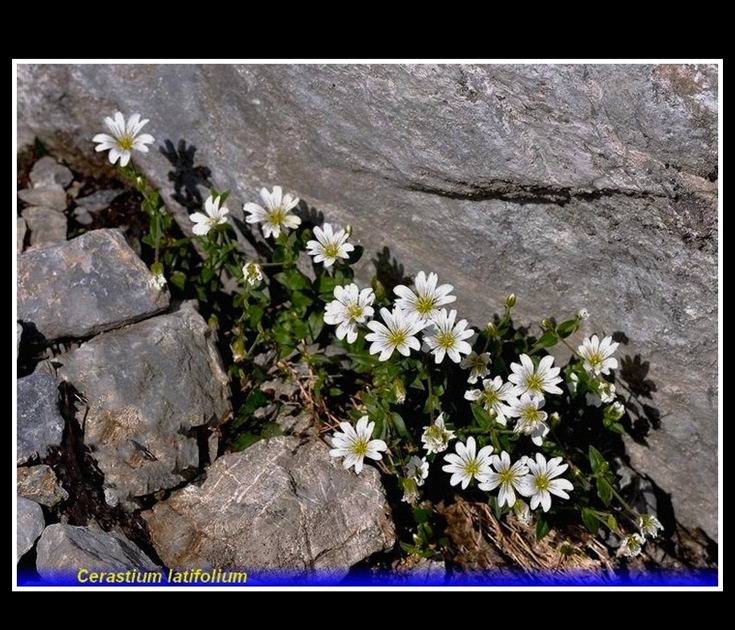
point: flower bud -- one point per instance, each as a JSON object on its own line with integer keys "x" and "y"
{"x": 510, "y": 301}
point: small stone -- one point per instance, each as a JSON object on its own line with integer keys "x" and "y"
{"x": 22, "y": 228}
{"x": 30, "y": 525}
{"x": 48, "y": 173}
{"x": 92, "y": 283}
{"x": 280, "y": 505}
{"x": 39, "y": 484}
{"x": 82, "y": 216}
{"x": 65, "y": 550}
{"x": 99, "y": 200}
{"x": 51, "y": 198}
{"x": 47, "y": 227}
{"x": 40, "y": 424}
{"x": 148, "y": 386}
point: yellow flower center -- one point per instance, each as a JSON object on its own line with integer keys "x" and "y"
{"x": 542, "y": 482}
{"x": 424, "y": 304}
{"x": 445, "y": 340}
{"x": 532, "y": 415}
{"x": 125, "y": 143}
{"x": 472, "y": 468}
{"x": 490, "y": 398}
{"x": 277, "y": 215}
{"x": 360, "y": 447}
{"x": 331, "y": 250}
{"x": 534, "y": 383}
{"x": 354, "y": 311}
{"x": 397, "y": 337}
{"x": 506, "y": 476}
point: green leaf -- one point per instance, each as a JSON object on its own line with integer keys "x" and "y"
{"x": 548, "y": 339}
{"x": 422, "y": 515}
{"x": 590, "y": 520}
{"x": 568, "y": 327}
{"x": 542, "y": 527}
{"x": 482, "y": 417}
{"x": 244, "y": 440}
{"x": 300, "y": 300}
{"x": 325, "y": 286}
{"x": 616, "y": 427}
{"x": 293, "y": 279}
{"x": 597, "y": 461}
{"x": 604, "y": 491}
{"x": 612, "y": 523}
{"x": 400, "y": 426}
{"x": 178, "y": 279}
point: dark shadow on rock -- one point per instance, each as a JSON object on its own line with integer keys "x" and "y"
{"x": 633, "y": 372}
{"x": 186, "y": 176}
{"x": 389, "y": 272}
{"x": 310, "y": 216}
{"x": 32, "y": 350}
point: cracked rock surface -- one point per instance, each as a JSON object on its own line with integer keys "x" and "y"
{"x": 279, "y": 505}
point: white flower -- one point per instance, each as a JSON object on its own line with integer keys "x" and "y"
{"x": 436, "y": 436}
{"x": 448, "y": 337}
{"x": 530, "y": 419}
{"x": 157, "y": 281}
{"x": 466, "y": 465}
{"x": 492, "y": 397}
{"x": 583, "y": 313}
{"x": 253, "y": 273}
{"x": 477, "y": 364}
{"x": 418, "y": 469}
{"x": 535, "y": 380}
{"x": 410, "y": 490}
{"x": 616, "y": 410}
{"x": 354, "y": 444}
{"x": 597, "y": 355}
{"x": 428, "y": 297}
{"x": 351, "y": 307}
{"x": 508, "y": 477}
{"x": 523, "y": 512}
{"x": 215, "y": 216}
{"x": 573, "y": 383}
{"x": 632, "y": 545}
{"x": 605, "y": 394}
{"x": 398, "y": 333}
{"x": 329, "y": 245}
{"x": 275, "y": 213}
{"x": 124, "y": 137}
{"x": 649, "y": 525}
{"x": 541, "y": 481}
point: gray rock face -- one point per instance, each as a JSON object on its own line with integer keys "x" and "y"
{"x": 279, "y": 505}
{"x": 571, "y": 185}
{"x": 30, "y": 525}
{"x": 148, "y": 387}
{"x": 40, "y": 424}
{"x": 65, "y": 549}
{"x": 39, "y": 484}
{"x": 92, "y": 283}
